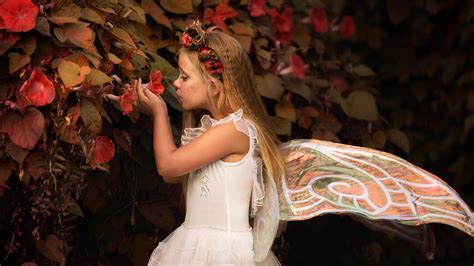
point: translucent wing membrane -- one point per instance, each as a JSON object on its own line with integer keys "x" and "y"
{"x": 324, "y": 177}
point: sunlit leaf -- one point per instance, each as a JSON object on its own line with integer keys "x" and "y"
{"x": 97, "y": 77}
{"x": 155, "y": 11}
{"x": 92, "y": 15}
{"x": 124, "y": 36}
{"x": 72, "y": 74}
{"x": 285, "y": 109}
{"x": 270, "y": 86}
{"x": 65, "y": 12}
{"x": 80, "y": 34}
{"x": 360, "y": 105}
{"x": 177, "y": 6}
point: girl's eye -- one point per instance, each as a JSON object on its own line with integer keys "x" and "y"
{"x": 184, "y": 78}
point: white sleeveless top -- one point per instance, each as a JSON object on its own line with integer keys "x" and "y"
{"x": 218, "y": 195}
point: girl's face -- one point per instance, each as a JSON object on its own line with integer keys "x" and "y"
{"x": 190, "y": 86}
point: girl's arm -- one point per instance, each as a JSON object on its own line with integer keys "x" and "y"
{"x": 172, "y": 162}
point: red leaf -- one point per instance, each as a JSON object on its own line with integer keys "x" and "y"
{"x": 24, "y": 130}
{"x": 283, "y": 23}
{"x": 38, "y": 89}
{"x": 256, "y": 8}
{"x": 208, "y": 14}
{"x": 339, "y": 83}
{"x": 128, "y": 99}
{"x": 103, "y": 149}
{"x": 223, "y": 12}
{"x": 19, "y": 15}
{"x": 298, "y": 66}
{"x": 155, "y": 84}
{"x": 318, "y": 19}
{"x": 347, "y": 27}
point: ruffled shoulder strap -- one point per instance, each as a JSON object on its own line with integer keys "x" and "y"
{"x": 246, "y": 127}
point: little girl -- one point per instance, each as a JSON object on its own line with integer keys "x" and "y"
{"x": 224, "y": 156}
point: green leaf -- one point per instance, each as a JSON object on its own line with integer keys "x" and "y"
{"x": 123, "y": 36}
{"x": 92, "y": 15}
{"x": 17, "y": 61}
{"x": 71, "y": 73}
{"x": 27, "y": 44}
{"x": 113, "y": 58}
{"x": 398, "y": 138}
{"x": 360, "y": 70}
{"x": 360, "y": 105}
{"x": 81, "y": 35}
{"x": 286, "y": 110}
{"x": 65, "y": 12}
{"x": 180, "y": 7}
{"x": 90, "y": 116}
{"x": 42, "y": 26}
{"x": 97, "y": 77}
{"x": 270, "y": 86}
{"x": 281, "y": 126}
{"x": 169, "y": 72}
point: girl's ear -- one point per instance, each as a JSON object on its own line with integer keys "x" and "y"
{"x": 214, "y": 90}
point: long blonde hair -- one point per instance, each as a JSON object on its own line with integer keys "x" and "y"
{"x": 238, "y": 91}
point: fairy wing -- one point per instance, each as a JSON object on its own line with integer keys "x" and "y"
{"x": 324, "y": 177}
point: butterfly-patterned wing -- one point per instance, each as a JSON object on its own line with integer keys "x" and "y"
{"x": 324, "y": 177}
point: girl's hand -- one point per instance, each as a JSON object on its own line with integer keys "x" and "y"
{"x": 148, "y": 102}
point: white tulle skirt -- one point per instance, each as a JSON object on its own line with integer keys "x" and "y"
{"x": 207, "y": 246}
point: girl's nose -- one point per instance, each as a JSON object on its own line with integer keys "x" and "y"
{"x": 175, "y": 84}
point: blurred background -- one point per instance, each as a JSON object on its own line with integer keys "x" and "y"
{"x": 77, "y": 179}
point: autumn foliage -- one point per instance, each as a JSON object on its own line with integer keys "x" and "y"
{"x": 75, "y": 154}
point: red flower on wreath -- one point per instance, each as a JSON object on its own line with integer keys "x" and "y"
{"x": 347, "y": 27}
{"x": 38, "y": 89}
{"x": 318, "y": 19}
{"x": 186, "y": 40}
{"x": 18, "y": 15}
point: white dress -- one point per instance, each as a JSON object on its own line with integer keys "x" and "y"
{"x": 216, "y": 229}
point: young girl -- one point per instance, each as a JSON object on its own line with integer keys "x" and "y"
{"x": 224, "y": 155}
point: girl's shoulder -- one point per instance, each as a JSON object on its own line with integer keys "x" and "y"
{"x": 241, "y": 124}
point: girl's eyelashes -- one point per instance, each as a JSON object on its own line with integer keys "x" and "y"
{"x": 183, "y": 78}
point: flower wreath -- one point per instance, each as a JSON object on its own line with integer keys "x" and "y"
{"x": 194, "y": 38}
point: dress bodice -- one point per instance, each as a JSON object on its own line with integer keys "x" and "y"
{"x": 221, "y": 194}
